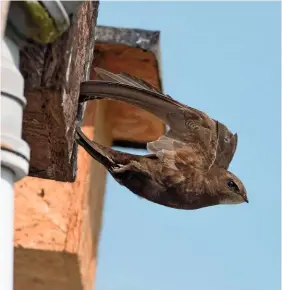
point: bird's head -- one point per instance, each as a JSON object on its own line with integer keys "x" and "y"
{"x": 230, "y": 188}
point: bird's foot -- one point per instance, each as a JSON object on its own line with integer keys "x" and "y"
{"x": 120, "y": 169}
{"x": 118, "y": 172}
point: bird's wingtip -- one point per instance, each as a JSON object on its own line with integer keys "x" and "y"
{"x": 96, "y": 69}
{"x": 78, "y": 133}
{"x": 99, "y": 70}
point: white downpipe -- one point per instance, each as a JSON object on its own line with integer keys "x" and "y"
{"x": 7, "y": 229}
{"x": 14, "y": 154}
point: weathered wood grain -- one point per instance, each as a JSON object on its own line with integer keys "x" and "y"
{"x": 52, "y": 76}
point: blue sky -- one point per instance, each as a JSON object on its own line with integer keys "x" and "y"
{"x": 224, "y": 59}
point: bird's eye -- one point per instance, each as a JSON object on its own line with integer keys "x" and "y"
{"x": 226, "y": 139}
{"x": 232, "y": 185}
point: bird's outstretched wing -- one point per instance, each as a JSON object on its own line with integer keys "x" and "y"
{"x": 190, "y": 129}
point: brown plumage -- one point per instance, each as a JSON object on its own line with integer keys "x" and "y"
{"x": 188, "y": 165}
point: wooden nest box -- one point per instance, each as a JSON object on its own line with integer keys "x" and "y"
{"x": 52, "y": 93}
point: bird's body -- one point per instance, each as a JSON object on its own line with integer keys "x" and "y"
{"x": 182, "y": 187}
{"x": 188, "y": 165}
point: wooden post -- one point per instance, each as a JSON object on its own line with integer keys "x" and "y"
{"x": 57, "y": 224}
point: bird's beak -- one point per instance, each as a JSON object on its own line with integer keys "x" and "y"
{"x": 246, "y": 199}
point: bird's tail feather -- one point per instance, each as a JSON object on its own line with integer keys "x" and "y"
{"x": 107, "y": 156}
{"x": 97, "y": 151}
